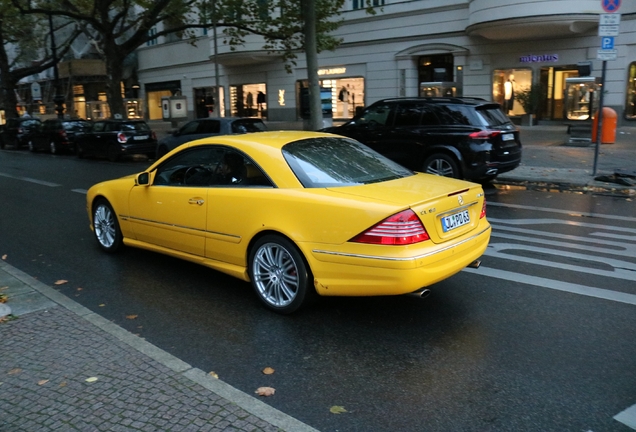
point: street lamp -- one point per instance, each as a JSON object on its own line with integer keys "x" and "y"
{"x": 58, "y": 99}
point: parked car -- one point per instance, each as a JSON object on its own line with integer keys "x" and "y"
{"x": 205, "y": 127}
{"x": 467, "y": 138}
{"x": 297, "y": 214}
{"x": 17, "y": 131}
{"x": 57, "y": 135}
{"x": 115, "y": 138}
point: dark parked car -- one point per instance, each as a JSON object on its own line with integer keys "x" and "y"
{"x": 205, "y": 127}
{"x": 58, "y": 135}
{"x": 467, "y": 138}
{"x": 115, "y": 138}
{"x": 17, "y": 131}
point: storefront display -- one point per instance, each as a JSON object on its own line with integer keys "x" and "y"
{"x": 630, "y": 103}
{"x": 581, "y": 98}
{"x": 248, "y": 100}
{"x": 507, "y": 82}
{"x": 347, "y": 96}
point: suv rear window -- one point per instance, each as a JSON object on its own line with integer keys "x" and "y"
{"x": 492, "y": 115}
{"x": 456, "y": 115}
{"x": 244, "y": 126}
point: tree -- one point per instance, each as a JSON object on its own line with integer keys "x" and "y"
{"x": 23, "y": 51}
{"x": 119, "y": 27}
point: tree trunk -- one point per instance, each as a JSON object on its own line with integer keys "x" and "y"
{"x": 8, "y": 99}
{"x": 315, "y": 104}
{"x": 115, "y": 72}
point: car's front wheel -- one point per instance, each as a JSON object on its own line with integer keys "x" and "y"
{"x": 31, "y": 146}
{"x": 106, "y": 226}
{"x": 281, "y": 278}
{"x": 53, "y": 147}
{"x": 441, "y": 165}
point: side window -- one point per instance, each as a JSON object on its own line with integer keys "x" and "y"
{"x": 209, "y": 127}
{"x": 193, "y": 167}
{"x": 407, "y": 115}
{"x": 98, "y": 127}
{"x": 189, "y": 128}
{"x": 456, "y": 115}
{"x": 375, "y": 115}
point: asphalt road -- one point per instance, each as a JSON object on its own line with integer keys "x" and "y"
{"x": 541, "y": 337}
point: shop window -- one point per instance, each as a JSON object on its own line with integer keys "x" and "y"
{"x": 506, "y": 83}
{"x": 630, "y": 105}
{"x": 248, "y": 100}
{"x": 347, "y": 96}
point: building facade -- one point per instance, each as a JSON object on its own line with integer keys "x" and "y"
{"x": 492, "y": 49}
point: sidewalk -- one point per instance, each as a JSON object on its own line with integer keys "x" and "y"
{"x": 63, "y": 367}
{"x": 549, "y": 162}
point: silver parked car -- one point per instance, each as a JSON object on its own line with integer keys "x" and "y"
{"x": 205, "y": 127}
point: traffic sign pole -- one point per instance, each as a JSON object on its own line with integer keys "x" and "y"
{"x": 599, "y": 125}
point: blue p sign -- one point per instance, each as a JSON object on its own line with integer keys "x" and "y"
{"x": 607, "y": 43}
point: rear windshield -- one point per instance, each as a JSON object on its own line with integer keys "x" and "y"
{"x": 329, "y": 162}
{"x": 492, "y": 115}
{"x": 244, "y": 126}
{"x": 130, "y": 126}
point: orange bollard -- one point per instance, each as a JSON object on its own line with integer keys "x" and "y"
{"x": 608, "y": 129}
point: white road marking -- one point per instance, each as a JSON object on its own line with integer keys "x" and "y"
{"x": 567, "y": 212}
{"x": 30, "y": 180}
{"x": 627, "y": 417}
{"x": 555, "y": 285}
{"x": 81, "y": 191}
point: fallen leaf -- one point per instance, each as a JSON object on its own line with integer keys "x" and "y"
{"x": 214, "y": 375}
{"x": 268, "y": 371}
{"x": 61, "y": 282}
{"x": 265, "y": 391}
{"x": 337, "y": 409}
{"x": 4, "y": 257}
{"x": 4, "y": 288}
{"x": 15, "y": 371}
{"x": 131, "y": 317}
{"x": 102, "y": 305}
{"x": 79, "y": 289}
{"x": 42, "y": 382}
{"x": 3, "y": 298}
{"x": 63, "y": 384}
{"x": 91, "y": 379}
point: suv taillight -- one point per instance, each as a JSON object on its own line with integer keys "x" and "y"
{"x": 121, "y": 137}
{"x": 403, "y": 228}
{"x": 487, "y": 134}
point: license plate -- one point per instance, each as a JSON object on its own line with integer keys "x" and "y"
{"x": 508, "y": 137}
{"x": 141, "y": 137}
{"x": 455, "y": 220}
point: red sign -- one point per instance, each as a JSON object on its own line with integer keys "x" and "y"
{"x": 611, "y": 6}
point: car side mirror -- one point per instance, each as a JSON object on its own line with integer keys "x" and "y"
{"x": 143, "y": 179}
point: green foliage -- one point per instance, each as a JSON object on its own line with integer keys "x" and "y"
{"x": 529, "y": 98}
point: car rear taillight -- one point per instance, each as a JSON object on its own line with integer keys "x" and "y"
{"x": 20, "y": 130}
{"x": 483, "y": 210}
{"x": 121, "y": 137}
{"x": 63, "y": 134}
{"x": 153, "y": 135}
{"x": 403, "y": 228}
{"x": 487, "y": 134}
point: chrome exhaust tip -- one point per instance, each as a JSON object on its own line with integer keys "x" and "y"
{"x": 423, "y": 293}
{"x": 475, "y": 264}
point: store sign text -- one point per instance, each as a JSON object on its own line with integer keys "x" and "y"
{"x": 539, "y": 58}
{"x": 333, "y": 71}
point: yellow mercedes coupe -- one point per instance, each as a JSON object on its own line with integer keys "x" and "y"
{"x": 296, "y": 214}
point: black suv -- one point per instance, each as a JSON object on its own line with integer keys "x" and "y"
{"x": 467, "y": 138}
{"x": 17, "y": 131}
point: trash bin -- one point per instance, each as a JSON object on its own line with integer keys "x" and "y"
{"x": 608, "y": 128}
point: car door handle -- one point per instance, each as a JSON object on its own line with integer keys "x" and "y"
{"x": 197, "y": 201}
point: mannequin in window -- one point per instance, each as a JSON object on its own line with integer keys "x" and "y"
{"x": 249, "y": 100}
{"x": 260, "y": 100}
{"x": 343, "y": 97}
{"x": 509, "y": 94}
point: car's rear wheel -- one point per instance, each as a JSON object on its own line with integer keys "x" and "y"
{"x": 53, "y": 147}
{"x": 31, "y": 146}
{"x": 281, "y": 278}
{"x": 112, "y": 153}
{"x": 441, "y": 165}
{"x": 106, "y": 226}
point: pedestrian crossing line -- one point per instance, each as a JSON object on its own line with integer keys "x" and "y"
{"x": 627, "y": 417}
{"x": 559, "y": 211}
{"x": 604, "y": 294}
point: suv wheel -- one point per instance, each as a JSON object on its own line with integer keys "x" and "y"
{"x": 31, "y": 146}
{"x": 53, "y": 147}
{"x": 441, "y": 165}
